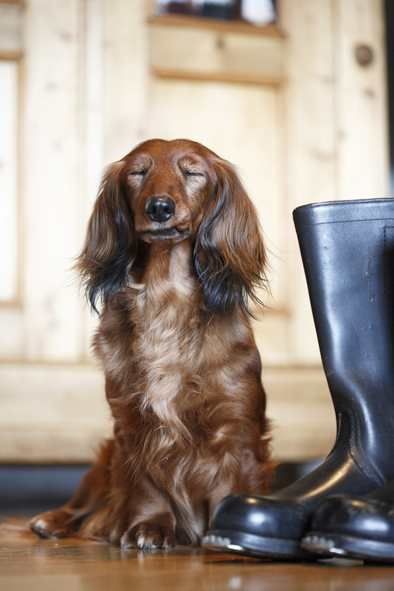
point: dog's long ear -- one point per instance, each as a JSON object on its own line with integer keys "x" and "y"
{"x": 229, "y": 253}
{"x": 110, "y": 244}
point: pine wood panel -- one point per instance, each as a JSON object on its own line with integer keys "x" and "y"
{"x": 10, "y": 28}
{"x": 362, "y": 147}
{"x": 180, "y": 50}
{"x": 126, "y": 77}
{"x": 9, "y": 125}
{"x": 88, "y": 99}
{"x": 61, "y": 414}
{"x": 310, "y": 141}
{"x": 51, "y": 181}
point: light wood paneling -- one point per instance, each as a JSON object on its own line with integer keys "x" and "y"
{"x": 179, "y": 50}
{"x": 93, "y": 143}
{"x": 88, "y": 98}
{"x": 11, "y": 333}
{"x": 52, "y": 182}
{"x": 10, "y": 28}
{"x": 9, "y": 127}
{"x": 311, "y": 162}
{"x": 126, "y": 77}
{"x": 362, "y": 148}
{"x": 61, "y": 413}
{"x": 336, "y": 122}
{"x": 224, "y": 118}
{"x": 300, "y": 407}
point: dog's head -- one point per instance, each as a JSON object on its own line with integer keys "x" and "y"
{"x": 171, "y": 191}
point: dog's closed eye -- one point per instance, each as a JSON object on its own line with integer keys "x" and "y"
{"x": 137, "y": 172}
{"x": 189, "y": 172}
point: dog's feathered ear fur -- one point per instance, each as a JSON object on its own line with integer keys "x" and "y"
{"x": 229, "y": 253}
{"x": 110, "y": 246}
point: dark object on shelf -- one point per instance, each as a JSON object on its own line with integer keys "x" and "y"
{"x": 217, "y": 9}
{"x": 175, "y": 7}
{"x": 224, "y": 10}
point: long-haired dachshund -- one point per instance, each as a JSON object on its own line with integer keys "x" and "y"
{"x": 174, "y": 255}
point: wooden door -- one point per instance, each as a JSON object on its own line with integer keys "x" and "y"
{"x": 83, "y": 81}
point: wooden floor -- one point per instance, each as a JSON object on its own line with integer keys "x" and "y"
{"x": 30, "y": 564}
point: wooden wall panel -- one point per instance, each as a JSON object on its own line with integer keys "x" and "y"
{"x": 224, "y": 117}
{"x": 93, "y": 144}
{"x": 88, "y": 98}
{"x": 11, "y": 29}
{"x": 62, "y": 414}
{"x": 52, "y": 180}
{"x": 362, "y": 148}
{"x": 311, "y": 163}
{"x": 9, "y": 145}
{"x": 11, "y": 333}
{"x": 336, "y": 122}
{"x": 126, "y": 77}
{"x": 208, "y": 51}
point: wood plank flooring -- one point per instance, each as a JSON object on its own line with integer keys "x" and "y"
{"x": 28, "y": 563}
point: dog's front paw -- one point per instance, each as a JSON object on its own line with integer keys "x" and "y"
{"x": 148, "y": 535}
{"x": 54, "y": 524}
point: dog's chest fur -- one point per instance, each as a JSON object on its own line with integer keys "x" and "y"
{"x": 175, "y": 373}
{"x": 160, "y": 334}
{"x": 166, "y": 344}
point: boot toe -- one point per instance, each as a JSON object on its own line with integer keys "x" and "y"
{"x": 261, "y": 526}
{"x": 355, "y": 516}
{"x": 355, "y": 527}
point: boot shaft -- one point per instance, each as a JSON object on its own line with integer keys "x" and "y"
{"x": 347, "y": 249}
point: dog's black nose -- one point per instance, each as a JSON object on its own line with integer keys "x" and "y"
{"x": 160, "y": 209}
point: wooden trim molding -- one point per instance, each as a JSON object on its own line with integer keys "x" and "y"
{"x": 245, "y": 79}
{"x": 15, "y": 301}
{"x": 11, "y": 56}
{"x": 20, "y": 3}
{"x": 210, "y": 24}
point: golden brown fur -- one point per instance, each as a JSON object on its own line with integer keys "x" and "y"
{"x": 181, "y": 365}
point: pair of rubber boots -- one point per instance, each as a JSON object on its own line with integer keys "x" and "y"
{"x": 347, "y": 249}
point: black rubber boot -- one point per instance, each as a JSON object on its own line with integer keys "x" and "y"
{"x": 355, "y": 527}
{"x": 347, "y": 249}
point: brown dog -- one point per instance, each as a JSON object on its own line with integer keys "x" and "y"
{"x": 174, "y": 252}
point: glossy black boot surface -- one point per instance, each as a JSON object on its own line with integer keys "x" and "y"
{"x": 347, "y": 249}
{"x": 355, "y": 527}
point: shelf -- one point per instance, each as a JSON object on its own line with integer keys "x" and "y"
{"x": 220, "y": 26}
{"x": 207, "y": 50}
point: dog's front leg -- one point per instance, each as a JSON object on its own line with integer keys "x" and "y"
{"x": 150, "y": 532}
{"x": 152, "y": 522}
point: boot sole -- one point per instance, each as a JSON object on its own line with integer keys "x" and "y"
{"x": 348, "y": 546}
{"x": 252, "y": 545}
